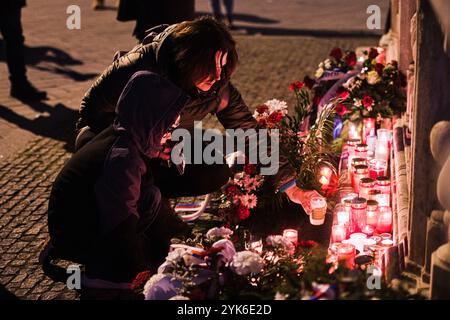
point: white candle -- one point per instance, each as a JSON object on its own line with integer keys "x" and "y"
{"x": 383, "y": 199}
{"x": 382, "y": 150}
{"x": 338, "y": 233}
{"x": 291, "y": 235}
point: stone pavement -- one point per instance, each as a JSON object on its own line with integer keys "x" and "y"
{"x": 36, "y": 140}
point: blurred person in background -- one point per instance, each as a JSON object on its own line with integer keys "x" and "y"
{"x": 217, "y": 10}
{"x": 12, "y": 33}
{"x": 148, "y": 14}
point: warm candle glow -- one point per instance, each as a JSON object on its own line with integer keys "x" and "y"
{"x": 384, "y": 220}
{"x": 324, "y": 181}
{"x": 338, "y": 233}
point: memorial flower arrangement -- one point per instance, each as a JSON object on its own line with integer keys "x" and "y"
{"x": 377, "y": 91}
{"x": 339, "y": 62}
{"x": 212, "y": 268}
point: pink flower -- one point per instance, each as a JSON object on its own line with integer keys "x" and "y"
{"x": 344, "y": 95}
{"x": 367, "y": 101}
{"x": 249, "y": 200}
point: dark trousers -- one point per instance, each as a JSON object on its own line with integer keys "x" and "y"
{"x": 12, "y": 33}
{"x": 217, "y": 11}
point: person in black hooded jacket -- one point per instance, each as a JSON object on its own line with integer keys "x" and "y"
{"x": 104, "y": 210}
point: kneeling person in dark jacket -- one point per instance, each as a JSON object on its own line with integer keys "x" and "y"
{"x": 104, "y": 210}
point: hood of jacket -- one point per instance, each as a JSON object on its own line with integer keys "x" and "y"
{"x": 147, "y": 108}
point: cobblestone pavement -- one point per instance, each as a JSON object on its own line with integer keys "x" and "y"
{"x": 35, "y": 140}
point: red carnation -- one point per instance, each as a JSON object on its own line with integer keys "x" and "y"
{"x": 379, "y": 67}
{"x": 373, "y": 53}
{"x": 341, "y": 110}
{"x": 262, "y": 108}
{"x": 297, "y": 85}
{"x": 336, "y": 53}
{"x": 140, "y": 280}
{"x": 367, "y": 101}
{"x": 275, "y": 117}
{"x": 344, "y": 95}
{"x": 350, "y": 59}
{"x": 307, "y": 244}
{"x": 243, "y": 212}
{"x": 309, "y": 82}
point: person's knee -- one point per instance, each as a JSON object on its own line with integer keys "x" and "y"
{"x": 84, "y": 136}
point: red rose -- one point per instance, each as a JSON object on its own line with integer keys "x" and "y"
{"x": 336, "y": 53}
{"x": 367, "y": 101}
{"x": 373, "y": 53}
{"x": 309, "y": 82}
{"x": 344, "y": 95}
{"x": 262, "y": 108}
{"x": 350, "y": 59}
{"x": 341, "y": 110}
{"x": 250, "y": 169}
{"x": 243, "y": 212}
{"x": 297, "y": 85}
{"x": 379, "y": 68}
{"x": 275, "y": 117}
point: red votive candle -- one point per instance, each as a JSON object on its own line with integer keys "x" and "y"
{"x": 372, "y": 213}
{"x": 347, "y": 252}
{"x": 384, "y": 220}
{"x": 377, "y": 168}
{"x": 339, "y": 233}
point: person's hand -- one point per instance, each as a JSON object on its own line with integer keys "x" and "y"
{"x": 164, "y": 154}
{"x": 302, "y": 197}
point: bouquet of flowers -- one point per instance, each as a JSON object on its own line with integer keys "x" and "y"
{"x": 240, "y": 195}
{"x": 210, "y": 267}
{"x": 271, "y": 113}
{"x": 376, "y": 92}
{"x": 337, "y": 65}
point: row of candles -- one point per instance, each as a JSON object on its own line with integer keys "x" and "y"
{"x": 363, "y": 219}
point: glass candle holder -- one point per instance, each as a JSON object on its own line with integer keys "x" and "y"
{"x": 377, "y": 239}
{"x": 368, "y": 230}
{"x": 365, "y": 185}
{"x": 356, "y": 162}
{"x": 372, "y": 213}
{"x": 384, "y": 135}
{"x": 342, "y": 214}
{"x": 368, "y": 243}
{"x": 353, "y": 132}
{"x": 383, "y": 199}
{"x": 373, "y": 194}
{"x": 361, "y": 151}
{"x": 359, "y": 210}
{"x": 349, "y": 196}
{"x": 371, "y": 142}
{"x": 291, "y": 235}
{"x": 377, "y": 168}
{"x": 359, "y": 173}
{"x": 347, "y": 252}
{"x": 338, "y": 233}
{"x": 351, "y": 147}
{"x": 384, "y": 224}
{"x": 383, "y": 184}
{"x": 319, "y": 210}
{"x": 387, "y": 243}
{"x": 386, "y": 236}
{"x": 368, "y": 128}
{"x": 358, "y": 239}
{"x": 382, "y": 150}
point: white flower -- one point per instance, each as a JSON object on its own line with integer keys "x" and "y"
{"x": 319, "y": 73}
{"x": 246, "y": 262}
{"x": 249, "y": 200}
{"x": 328, "y": 64}
{"x": 221, "y": 232}
{"x": 228, "y": 250}
{"x": 349, "y": 83}
{"x": 151, "y": 282}
{"x": 357, "y": 102}
{"x": 176, "y": 255}
{"x": 276, "y": 105}
{"x": 281, "y": 242}
{"x": 179, "y": 298}
{"x": 373, "y": 77}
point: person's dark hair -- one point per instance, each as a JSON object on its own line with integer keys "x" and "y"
{"x": 191, "y": 51}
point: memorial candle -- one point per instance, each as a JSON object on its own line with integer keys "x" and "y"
{"x": 368, "y": 128}
{"x": 353, "y": 132}
{"x": 371, "y": 142}
{"x": 338, "y": 233}
{"x": 359, "y": 173}
{"x": 384, "y": 220}
{"x": 291, "y": 235}
{"x": 377, "y": 168}
{"x": 372, "y": 213}
{"x": 361, "y": 151}
{"x": 359, "y": 209}
{"x": 365, "y": 185}
{"x": 342, "y": 214}
{"x": 347, "y": 252}
{"x": 383, "y": 199}
{"x": 384, "y": 135}
{"x": 383, "y": 184}
{"x": 382, "y": 150}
